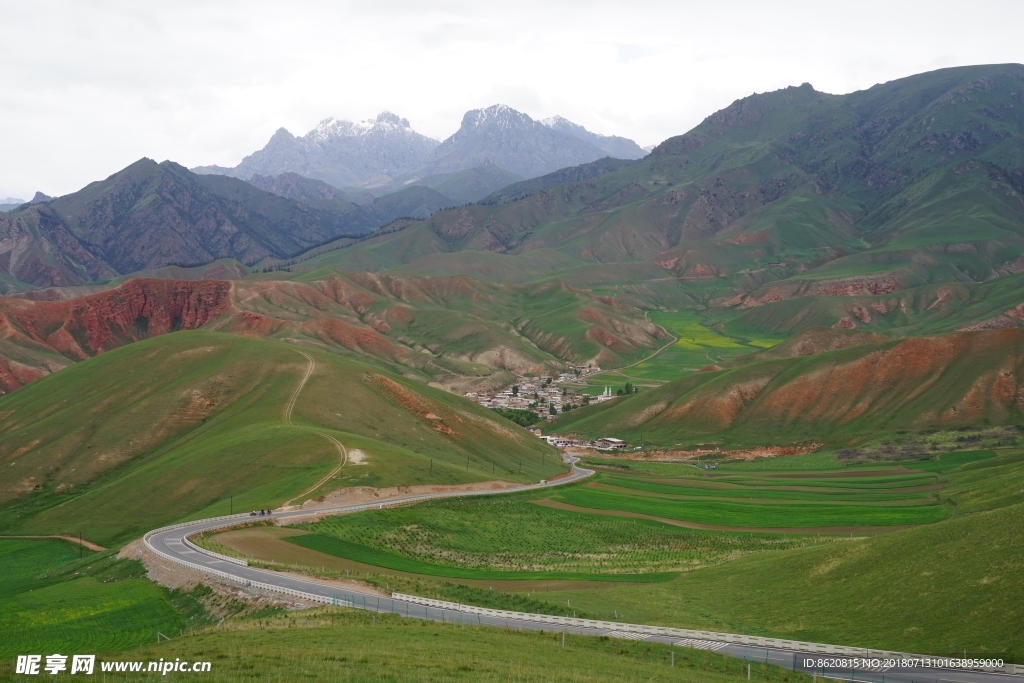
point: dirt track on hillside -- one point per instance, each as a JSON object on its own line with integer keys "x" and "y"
{"x": 73, "y": 539}
{"x": 368, "y": 494}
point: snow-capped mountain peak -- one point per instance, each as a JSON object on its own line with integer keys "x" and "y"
{"x": 332, "y": 128}
{"x": 500, "y": 116}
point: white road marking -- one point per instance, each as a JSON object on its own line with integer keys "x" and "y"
{"x": 700, "y": 644}
{"x": 626, "y": 635}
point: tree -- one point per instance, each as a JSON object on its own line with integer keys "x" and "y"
{"x": 551, "y": 409}
{"x": 629, "y": 388}
{"x": 524, "y": 418}
{"x": 515, "y": 390}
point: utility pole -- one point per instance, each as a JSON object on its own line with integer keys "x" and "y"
{"x": 232, "y": 505}
{"x": 79, "y": 545}
{"x": 431, "y": 467}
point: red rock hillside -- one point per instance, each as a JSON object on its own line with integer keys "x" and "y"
{"x": 416, "y": 322}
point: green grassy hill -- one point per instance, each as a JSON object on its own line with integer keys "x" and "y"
{"x": 471, "y": 184}
{"x": 174, "y": 427}
{"x": 836, "y": 397}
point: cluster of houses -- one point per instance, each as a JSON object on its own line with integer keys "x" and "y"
{"x": 546, "y": 396}
{"x": 602, "y": 444}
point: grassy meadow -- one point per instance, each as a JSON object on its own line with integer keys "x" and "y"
{"x": 339, "y": 644}
{"x": 52, "y": 601}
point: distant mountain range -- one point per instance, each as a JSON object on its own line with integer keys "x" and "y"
{"x": 342, "y": 153}
{"x": 150, "y": 215}
{"x": 899, "y": 209}
{"x": 895, "y": 209}
{"x": 379, "y": 152}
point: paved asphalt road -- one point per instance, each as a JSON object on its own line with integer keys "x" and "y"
{"x": 170, "y": 543}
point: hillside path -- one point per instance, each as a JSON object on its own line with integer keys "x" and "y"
{"x": 618, "y": 371}
{"x": 67, "y": 537}
{"x": 342, "y": 451}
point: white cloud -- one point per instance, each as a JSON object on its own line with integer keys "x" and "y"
{"x": 87, "y": 88}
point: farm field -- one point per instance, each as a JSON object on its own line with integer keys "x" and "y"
{"x": 338, "y": 644}
{"x": 740, "y": 492}
{"x": 720, "y": 513}
{"x": 94, "y": 604}
{"x": 822, "y": 499}
{"x": 385, "y": 560}
{"x": 513, "y": 539}
{"x": 855, "y": 591}
{"x": 696, "y": 347}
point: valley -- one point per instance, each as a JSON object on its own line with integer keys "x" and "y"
{"x": 795, "y": 333}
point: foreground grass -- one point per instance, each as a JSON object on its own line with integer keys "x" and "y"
{"x": 334, "y": 644}
{"x": 50, "y": 600}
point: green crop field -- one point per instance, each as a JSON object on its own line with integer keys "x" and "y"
{"x": 930, "y": 589}
{"x": 696, "y": 347}
{"x": 361, "y": 553}
{"x": 642, "y": 466}
{"x": 737, "y": 491}
{"x": 521, "y": 540}
{"x": 338, "y": 644}
{"x": 84, "y": 606}
{"x": 844, "y": 497}
{"x": 948, "y": 461}
{"x": 803, "y": 461}
{"x": 736, "y": 514}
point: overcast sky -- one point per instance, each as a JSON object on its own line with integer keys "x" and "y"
{"x": 86, "y": 88}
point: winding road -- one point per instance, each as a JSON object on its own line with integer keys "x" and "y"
{"x": 172, "y": 543}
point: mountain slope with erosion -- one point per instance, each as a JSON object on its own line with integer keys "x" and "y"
{"x": 455, "y": 331}
{"x": 841, "y": 396}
